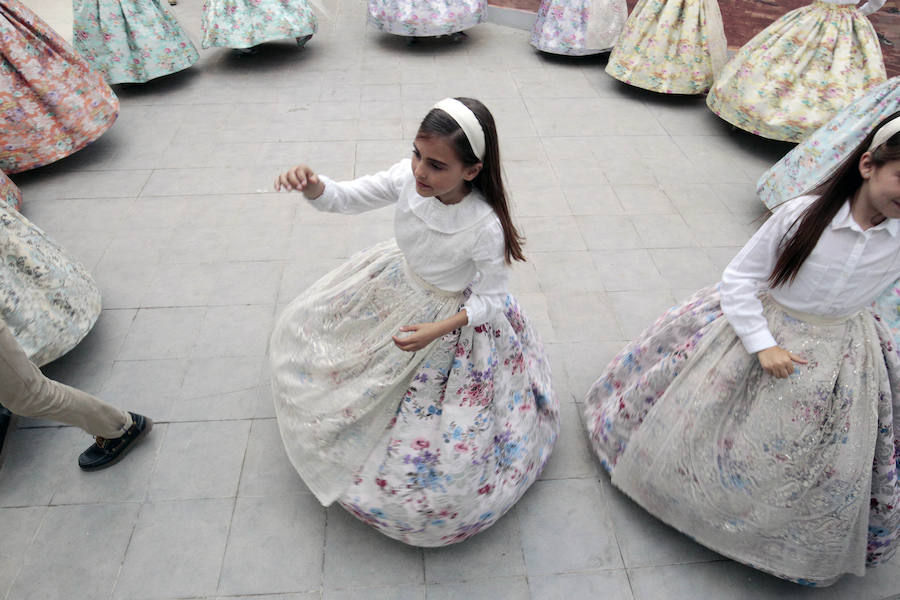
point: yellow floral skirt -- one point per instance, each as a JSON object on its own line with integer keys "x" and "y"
{"x": 798, "y": 72}
{"x": 671, "y": 47}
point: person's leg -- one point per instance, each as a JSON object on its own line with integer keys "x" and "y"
{"x": 26, "y": 392}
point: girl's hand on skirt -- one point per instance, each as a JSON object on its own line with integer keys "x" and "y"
{"x": 778, "y": 362}
{"x": 423, "y": 334}
{"x": 301, "y": 179}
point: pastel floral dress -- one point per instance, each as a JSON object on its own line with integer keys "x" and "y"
{"x": 798, "y": 72}
{"x": 131, "y": 41}
{"x": 52, "y": 103}
{"x": 578, "y": 28}
{"x": 428, "y": 447}
{"x": 247, "y": 23}
{"x": 420, "y": 18}
{"x": 814, "y": 159}
{"x": 670, "y": 46}
{"x": 9, "y": 193}
{"x": 48, "y": 300}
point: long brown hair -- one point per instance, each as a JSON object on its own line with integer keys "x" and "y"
{"x": 489, "y": 180}
{"x": 804, "y": 233}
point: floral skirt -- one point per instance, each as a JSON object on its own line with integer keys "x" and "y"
{"x": 131, "y": 41}
{"x": 246, "y": 23}
{"x": 670, "y": 46}
{"x": 421, "y": 18}
{"x": 578, "y": 28}
{"x": 794, "y": 75}
{"x": 427, "y": 447}
{"x": 10, "y": 195}
{"x": 52, "y": 103}
{"x": 48, "y": 300}
{"x": 817, "y": 156}
{"x": 797, "y": 477}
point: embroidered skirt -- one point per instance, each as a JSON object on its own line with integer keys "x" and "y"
{"x": 131, "y": 41}
{"x": 670, "y": 46}
{"x": 9, "y": 193}
{"x": 422, "y": 18}
{"x": 795, "y": 476}
{"x": 428, "y": 447}
{"x": 794, "y": 75}
{"x": 247, "y": 23}
{"x": 578, "y": 28}
{"x": 816, "y": 157}
{"x": 52, "y": 103}
{"x": 48, "y": 300}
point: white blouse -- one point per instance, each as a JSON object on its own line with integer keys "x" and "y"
{"x": 845, "y": 272}
{"x": 866, "y": 9}
{"x": 451, "y": 246}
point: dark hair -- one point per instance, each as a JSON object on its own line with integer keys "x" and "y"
{"x": 489, "y": 180}
{"x": 844, "y": 182}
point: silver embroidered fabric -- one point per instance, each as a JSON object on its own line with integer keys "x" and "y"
{"x": 793, "y": 476}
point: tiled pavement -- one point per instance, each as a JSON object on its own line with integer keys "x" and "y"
{"x": 629, "y": 202}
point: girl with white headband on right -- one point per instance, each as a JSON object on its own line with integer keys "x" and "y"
{"x": 408, "y": 384}
{"x": 761, "y": 417}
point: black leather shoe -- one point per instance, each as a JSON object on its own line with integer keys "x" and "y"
{"x": 5, "y": 420}
{"x": 105, "y": 453}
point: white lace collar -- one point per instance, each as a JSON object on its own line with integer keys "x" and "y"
{"x": 449, "y": 218}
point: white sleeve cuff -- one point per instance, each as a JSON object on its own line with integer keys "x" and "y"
{"x": 754, "y": 342}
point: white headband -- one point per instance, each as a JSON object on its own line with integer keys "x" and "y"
{"x": 467, "y": 121}
{"x": 886, "y": 132}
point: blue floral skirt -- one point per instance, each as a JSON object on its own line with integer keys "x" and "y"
{"x": 428, "y": 447}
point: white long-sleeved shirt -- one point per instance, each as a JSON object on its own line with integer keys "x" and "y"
{"x": 451, "y": 246}
{"x": 866, "y": 9}
{"x": 845, "y": 272}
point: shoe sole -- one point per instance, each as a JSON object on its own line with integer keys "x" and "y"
{"x": 122, "y": 454}
{"x": 4, "y": 441}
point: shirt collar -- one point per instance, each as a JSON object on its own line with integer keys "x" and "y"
{"x": 844, "y": 219}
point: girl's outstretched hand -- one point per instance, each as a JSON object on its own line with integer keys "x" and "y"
{"x": 302, "y": 179}
{"x": 778, "y": 362}
{"x": 423, "y": 334}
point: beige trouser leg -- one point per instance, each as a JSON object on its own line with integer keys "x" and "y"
{"x": 25, "y": 391}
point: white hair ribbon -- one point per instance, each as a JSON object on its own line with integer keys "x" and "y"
{"x": 886, "y": 132}
{"x": 467, "y": 121}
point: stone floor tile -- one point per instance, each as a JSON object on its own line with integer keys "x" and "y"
{"x": 496, "y": 552}
{"x": 299, "y": 596}
{"x": 162, "y": 333}
{"x": 586, "y": 361}
{"x": 200, "y": 460}
{"x": 566, "y": 527}
{"x": 592, "y": 200}
{"x": 685, "y": 267}
{"x": 125, "y": 484}
{"x": 609, "y": 585}
{"x": 567, "y": 272}
{"x": 393, "y": 592}
{"x": 608, "y": 232}
{"x": 638, "y": 310}
{"x": 237, "y": 330}
{"x": 645, "y": 541}
{"x": 90, "y": 540}
{"x": 508, "y": 588}
{"x": 147, "y": 387}
{"x": 664, "y": 231}
{"x": 627, "y": 270}
{"x": 551, "y": 234}
{"x": 180, "y": 285}
{"x": 18, "y": 527}
{"x": 880, "y": 583}
{"x": 582, "y": 317}
{"x": 358, "y": 556}
{"x": 267, "y": 471}
{"x": 33, "y": 462}
{"x": 159, "y": 562}
{"x": 643, "y": 199}
{"x": 275, "y": 544}
{"x": 572, "y": 456}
